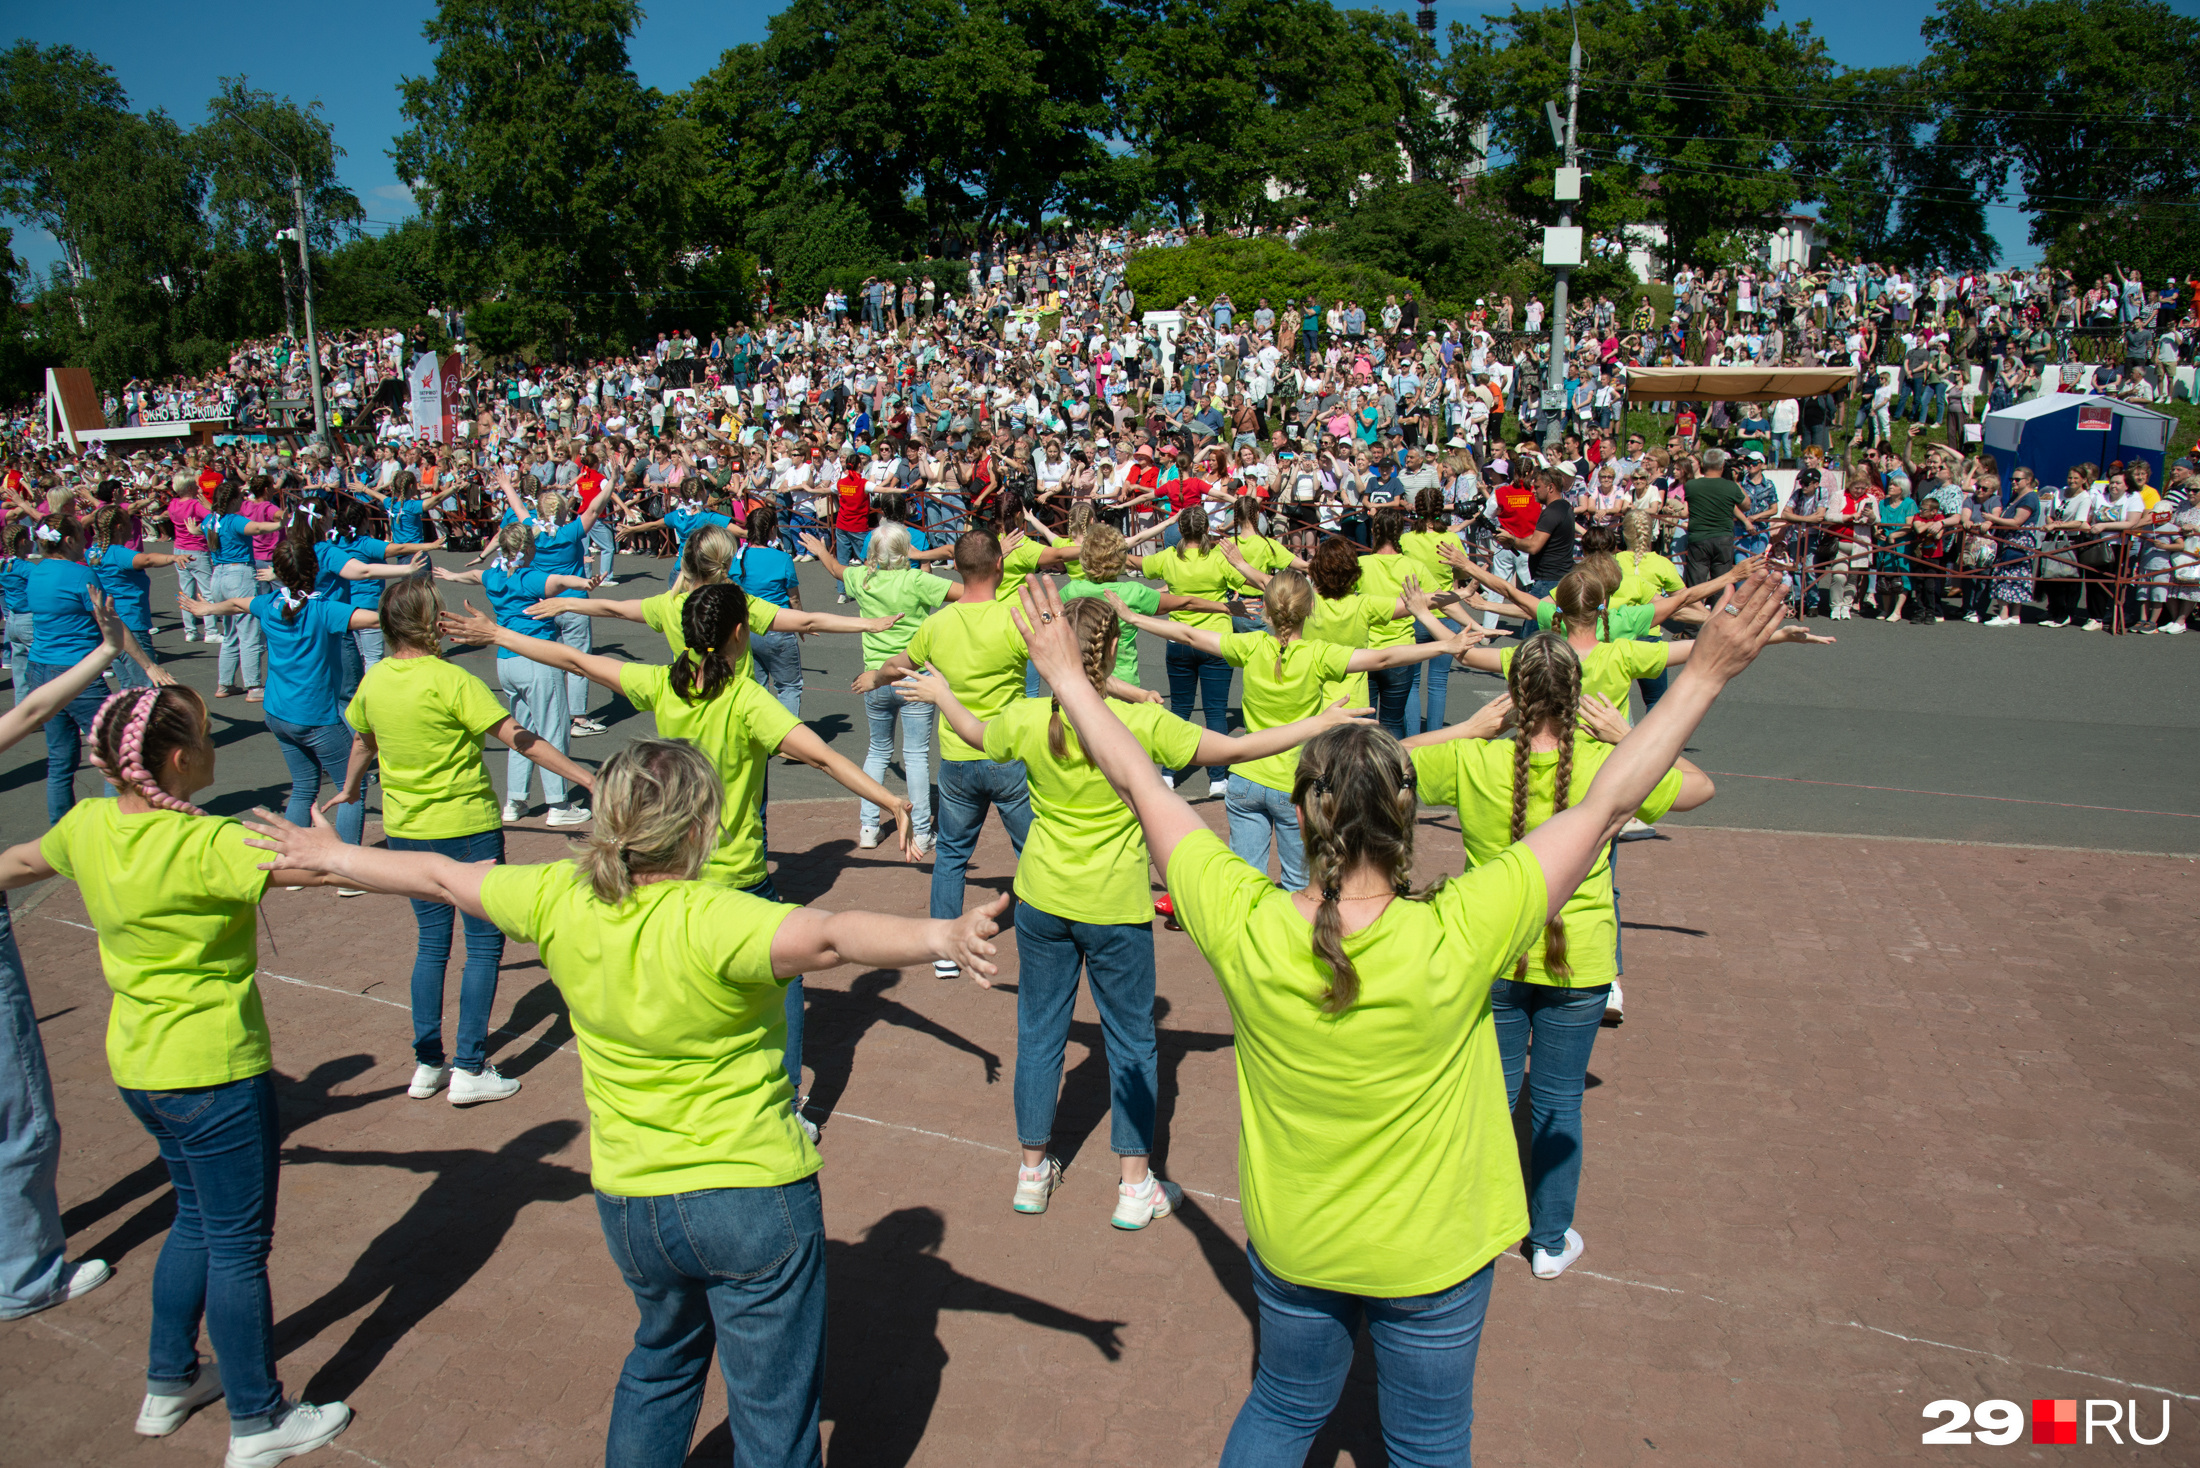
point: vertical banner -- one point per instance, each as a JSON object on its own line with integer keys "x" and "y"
{"x": 426, "y": 383}
{"x": 449, "y": 399}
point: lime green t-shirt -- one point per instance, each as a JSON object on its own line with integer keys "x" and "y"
{"x": 1275, "y": 698}
{"x": 681, "y": 1027}
{"x": 1350, "y": 623}
{"x": 907, "y": 593}
{"x": 428, "y": 718}
{"x": 664, "y": 610}
{"x": 1383, "y": 579}
{"x": 1615, "y": 624}
{"x": 737, "y": 731}
{"x": 1261, "y": 553}
{"x": 1085, "y": 859}
{"x": 1375, "y": 1152}
{"x": 173, "y": 897}
{"x": 1420, "y": 546}
{"x": 1139, "y": 597}
{"x": 1609, "y": 668}
{"x": 1475, "y": 776}
{"x": 1645, "y": 578}
{"x": 1210, "y": 575}
{"x": 1015, "y": 566}
{"x": 977, "y": 649}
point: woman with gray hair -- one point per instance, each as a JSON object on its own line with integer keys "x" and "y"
{"x": 705, "y": 1187}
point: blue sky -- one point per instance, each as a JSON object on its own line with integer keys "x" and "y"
{"x": 170, "y": 56}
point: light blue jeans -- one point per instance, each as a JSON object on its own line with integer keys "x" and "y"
{"x": 1256, "y": 813}
{"x": 884, "y": 706}
{"x": 31, "y": 1239}
{"x": 19, "y": 651}
{"x": 1425, "y": 1349}
{"x": 312, "y": 751}
{"x": 602, "y": 541}
{"x": 1506, "y": 564}
{"x": 779, "y": 668}
{"x": 1425, "y": 706}
{"x": 579, "y": 633}
{"x": 538, "y": 703}
{"x": 242, "y": 655}
{"x": 195, "y": 579}
{"x": 1548, "y": 1032}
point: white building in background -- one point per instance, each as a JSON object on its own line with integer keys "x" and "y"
{"x": 1791, "y": 242}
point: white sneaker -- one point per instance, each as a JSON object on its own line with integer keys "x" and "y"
{"x": 513, "y": 813}
{"x": 163, "y": 1415}
{"x": 584, "y": 728}
{"x": 1034, "y": 1185}
{"x": 303, "y": 1428}
{"x": 1971, "y": 617}
{"x": 468, "y": 1089}
{"x": 1138, "y": 1204}
{"x": 1216, "y": 788}
{"x": 1614, "y": 1015}
{"x": 946, "y": 968}
{"x": 2173, "y": 628}
{"x": 1168, "y": 778}
{"x": 351, "y": 892}
{"x": 427, "y": 1080}
{"x": 77, "y": 1280}
{"x": 866, "y": 838}
{"x": 922, "y": 846}
{"x": 575, "y": 814}
{"x": 2090, "y": 627}
{"x": 1636, "y": 830}
{"x": 1551, "y": 1266}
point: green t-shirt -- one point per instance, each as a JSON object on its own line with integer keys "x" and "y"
{"x": 173, "y": 898}
{"x": 1350, "y": 623}
{"x": 664, "y": 610}
{"x": 977, "y": 649}
{"x": 1015, "y": 566}
{"x": 681, "y": 1027}
{"x": 907, "y": 593}
{"x": 1711, "y": 507}
{"x": 737, "y": 730}
{"x": 1610, "y": 668}
{"x": 428, "y": 718}
{"x": 1085, "y": 859}
{"x": 1375, "y": 1152}
{"x": 1209, "y": 575}
{"x": 1261, "y": 553}
{"x": 1383, "y": 579}
{"x": 1617, "y": 624}
{"x": 1139, "y": 597}
{"x": 1420, "y": 546}
{"x": 1645, "y": 578}
{"x": 1274, "y": 698}
{"x": 1475, "y": 777}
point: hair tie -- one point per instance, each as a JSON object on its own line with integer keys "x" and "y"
{"x": 1329, "y": 892}
{"x": 48, "y": 533}
{"x": 290, "y": 599}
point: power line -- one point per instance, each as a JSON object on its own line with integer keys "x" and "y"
{"x": 1789, "y": 98}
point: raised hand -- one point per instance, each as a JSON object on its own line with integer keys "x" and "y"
{"x": 1602, "y": 718}
{"x": 472, "y": 627}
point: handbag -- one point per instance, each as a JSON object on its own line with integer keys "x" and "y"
{"x": 2054, "y": 566}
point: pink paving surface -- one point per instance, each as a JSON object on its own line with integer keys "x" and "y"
{"x": 1888, "y": 1122}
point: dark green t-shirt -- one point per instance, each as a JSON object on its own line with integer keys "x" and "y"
{"x": 1711, "y": 506}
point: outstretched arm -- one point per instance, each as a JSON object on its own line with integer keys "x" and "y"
{"x": 803, "y": 744}
{"x": 316, "y": 849}
{"x": 478, "y": 629}
{"x": 811, "y": 938}
{"x": 1205, "y": 639}
{"x": 587, "y": 606}
{"x": 1450, "y": 644}
{"x": 1224, "y": 749}
{"x": 797, "y": 620}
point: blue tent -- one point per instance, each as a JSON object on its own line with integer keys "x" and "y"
{"x": 2053, "y": 432}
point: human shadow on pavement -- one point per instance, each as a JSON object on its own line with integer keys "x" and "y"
{"x": 837, "y": 1023}
{"x": 427, "y": 1256}
{"x": 297, "y": 1103}
{"x": 1084, "y": 1105}
{"x": 883, "y": 1356}
{"x": 529, "y": 1010}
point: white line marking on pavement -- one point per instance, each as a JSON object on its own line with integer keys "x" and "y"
{"x": 2137, "y": 1386}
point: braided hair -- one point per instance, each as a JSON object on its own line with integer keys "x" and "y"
{"x": 1544, "y": 680}
{"x": 1584, "y": 596}
{"x": 1096, "y": 626}
{"x": 135, "y": 732}
{"x": 1287, "y": 601}
{"x": 1191, "y": 530}
{"x": 1355, "y": 791}
{"x": 708, "y": 622}
{"x": 110, "y": 524}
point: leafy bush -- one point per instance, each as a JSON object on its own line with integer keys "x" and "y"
{"x": 1251, "y": 269}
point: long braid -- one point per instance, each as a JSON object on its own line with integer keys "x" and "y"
{"x": 1095, "y": 624}
{"x": 1545, "y": 682}
{"x": 132, "y": 709}
{"x": 1325, "y": 867}
{"x": 1565, "y": 719}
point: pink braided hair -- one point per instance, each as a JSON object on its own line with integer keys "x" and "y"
{"x": 133, "y": 772}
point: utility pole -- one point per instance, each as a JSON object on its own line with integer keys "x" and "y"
{"x": 1565, "y": 190}
{"x": 313, "y": 340}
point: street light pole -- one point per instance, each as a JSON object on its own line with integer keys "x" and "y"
{"x": 1555, "y": 379}
{"x": 313, "y": 339}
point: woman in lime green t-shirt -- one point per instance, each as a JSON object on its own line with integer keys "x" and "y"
{"x": 1376, "y": 1158}
{"x": 1341, "y": 615}
{"x": 1554, "y": 1002}
{"x": 174, "y": 895}
{"x": 424, "y": 720}
{"x": 739, "y": 726}
{"x": 1196, "y": 567}
{"x": 706, "y": 1190}
{"x": 1084, "y": 900}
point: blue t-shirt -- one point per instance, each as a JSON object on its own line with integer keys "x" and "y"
{"x": 409, "y": 521}
{"x": 918, "y": 541}
{"x": 15, "y": 583}
{"x": 767, "y": 572}
{"x": 304, "y": 664}
{"x": 63, "y": 629}
{"x": 560, "y": 551}
{"x": 368, "y": 592}
{"x": 511, "y": 593}
{"x": 330, "y": 557}
{"x": 228, "y": 539}
{"x": 131, "y": 588}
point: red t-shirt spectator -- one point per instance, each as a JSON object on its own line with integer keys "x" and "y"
{"x": 210, "y": 479}
{"x": 855, "y": 504}
{"x": 589, "y": 484}
{"x": 1185, "y": 492}
{"x": 1517, "y": 510}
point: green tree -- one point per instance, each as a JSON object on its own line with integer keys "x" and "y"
{"x": 2087, "y": 102}
{"x": 1897, "y": 183}
{"x": 57, "y": 107}
{"x": 1419, "y": 230}
{"x": 543, "y": 168}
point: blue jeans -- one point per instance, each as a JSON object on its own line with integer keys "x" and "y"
{"x": 242, "y": 656}
{"x": 603, "y": 542}
{"x": 311, "y": 751}
{"x": 796, "y": 1003}
{"x": 19, "y": 651}
{"x": 477, "y": 987}
{"x": 538, "y": 703}
{"x": 124, "y": 669}
{"x": 579, "y": 633}
{"x": 737, "y": 1270}
{"x": 1255, "y": 813}
{"x": 220, "y": 1146}
{"x": 884, "y": 706}
{"x": 368, "y": 640}
{"x": 1425, "y": 712}
{"x": 66, "y": 731}
{"x": 31, "y": 1240}
{"x": 1119, "y": 966}
{"x": 1425, "y": 1348}
{"x": 195, "y": 579}
{"x": 1653, "y": 689}
{"x": 351, "y": 668}
{"x": 779, "y": 668}
{"x": 847, "y": 547}
{"x": 1195, "y": 674}
{"x": 1393, "y": 690}
{"x": 1557, "y": 1028}
{"x": 968, "y": 788}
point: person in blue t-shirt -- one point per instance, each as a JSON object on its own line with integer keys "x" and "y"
{"x": 60, "y": 590}
{"x": 515, "y": 583}
{"x": 242, "y": 664}
{"x": 408, "y": 512}
{"x": 121, "y": 572}
{"x": 561, "y": 549}
{"x": 305, "y": 712}
{"x": 15, "y": 593}
{"x": 350, "y": 567}
{"x": 766, "y": 572}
